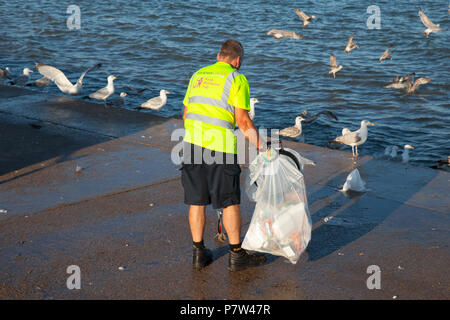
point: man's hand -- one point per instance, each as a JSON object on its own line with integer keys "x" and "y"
{"x": 268, "y": 154}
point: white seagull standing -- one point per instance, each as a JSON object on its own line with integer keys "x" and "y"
{"x": 294, "y": 131}
{"x": 405, "y": 154}
{"x": 306, "y": 19}
{"x": 61, "y": 80}
{"x": 23, "y": 78}
{"x": 431, "y": 27}
{"x": 106, "y": 92}
{"x": 156, "y": 103}
{"x": 334, "y": 68}
{"x": 251, "y": 114}
{"x": 355, "y": 138}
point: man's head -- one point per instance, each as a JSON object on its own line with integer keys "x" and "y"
{"x": 231, "y": 52}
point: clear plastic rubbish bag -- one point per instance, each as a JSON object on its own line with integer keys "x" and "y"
{"x": 281, "y": 223}
{"x": 354, "y": 182}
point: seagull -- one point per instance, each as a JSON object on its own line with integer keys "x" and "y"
{"x": 355, "y": 138}
{"x": 156, "y": 103}
{"x": 411, "y": 88}
{"x": 333, "y": 66}
{"x": 4, "y": 74}
{"x": 252, "y": 107}
{"x": 294, "y": 131}
{"x": 119, "y": 102}
{"x": 350, "y": 45}
{"x": 394, "y": 151}
{"x": 311, "y": 118}
{"x": 133, "y": 91}
{"x": 23, "y": 78}
{"x": 386, "y": 54}
{"x": 401, "y": 82}
{"x": 306, "y": 19}
{"x": 405, "y": 154}
{"x": 106, "y": 92}
{"x": 431, "y": 27}
{"x": 61, "y": 80}
{"x": 278, "y": 34}
{"x": 40, "y": 83}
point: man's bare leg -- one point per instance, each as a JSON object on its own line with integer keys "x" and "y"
{"x": 232, "y": 223}
{"x": 197, "y": 222}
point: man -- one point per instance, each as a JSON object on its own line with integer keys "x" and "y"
{"x": 218, "y": 98}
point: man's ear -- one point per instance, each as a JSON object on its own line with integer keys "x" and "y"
{"x": 218, "y": 56}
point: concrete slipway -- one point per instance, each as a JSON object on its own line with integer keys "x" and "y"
{"x": 125, "y": 209}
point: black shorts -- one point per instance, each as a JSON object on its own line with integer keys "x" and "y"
{"x": 216, "y": 184}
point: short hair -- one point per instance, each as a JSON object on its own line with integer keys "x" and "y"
{"x": 231, "y": 49}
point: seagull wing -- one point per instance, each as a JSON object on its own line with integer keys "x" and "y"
{"x": 349, "y": 138}
{"x": 301, "y": 14}
{"x": 419, "y": 82}
{"x": 290, "y": 132}
{"x": 427, "y": 22}
{"x": 329, "y": 114}
{"x": 333, "y": 62}
{"x": 95, "y": 67}
{"x": 54, "y": 74}
{"x": 100, "y": 94}
{"x": 152, "y": 103}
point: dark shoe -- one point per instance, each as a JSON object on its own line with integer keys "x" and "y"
{"x": 241, "y": 260}
{"x": 201, "y": 258}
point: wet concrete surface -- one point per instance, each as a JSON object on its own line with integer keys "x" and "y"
{"x": 124, "y": 208}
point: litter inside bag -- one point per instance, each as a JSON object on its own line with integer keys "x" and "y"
{"x": 354, "y": 182}
{"x": 281, "y": 223}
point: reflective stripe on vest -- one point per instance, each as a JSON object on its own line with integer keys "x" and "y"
{"x": 209, "y": 120}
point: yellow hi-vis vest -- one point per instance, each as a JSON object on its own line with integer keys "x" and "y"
{"x": 211, "y": 97}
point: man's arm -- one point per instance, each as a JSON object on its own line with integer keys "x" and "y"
{"x": 184, "y": 113}
{"x": 247, "y": 128}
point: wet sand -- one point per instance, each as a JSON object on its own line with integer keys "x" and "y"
{"x": 125, "y": 209}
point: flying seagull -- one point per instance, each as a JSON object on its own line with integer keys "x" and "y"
{"x": 156, "y": 103}
{"x": 278, "y": 34}
{"x": 310, "y": 118}
{"x": 294, "y": 131}
{"x": 401, "y": 82}
{"x": 350, "y": 45}
{"x": 386, "y": 55}
{"x": 61, "y": 80}
{"x": 354, "y": 138}
{"x": 252, "y": 107}
{"x": 431, "y": 27}
{"x": 106, "y": 92}
{"x": 306, "y": 19}
{"x": 23, "y": 78}
{"x": 333, "y": 66}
